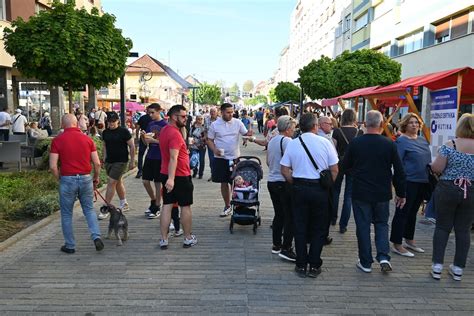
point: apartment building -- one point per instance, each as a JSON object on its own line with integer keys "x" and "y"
{"x": 312, "y": 28}
{"x": 14, "y": 88}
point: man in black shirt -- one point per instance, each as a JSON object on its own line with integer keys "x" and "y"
{"x": 117, "y": 146}
{"x": 141, "y": 125}
{"x": 369, "y": 158}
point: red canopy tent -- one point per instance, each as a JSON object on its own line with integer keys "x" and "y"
{"x": 462, "y": 78}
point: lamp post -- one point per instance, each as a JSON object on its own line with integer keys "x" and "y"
{"x": 122, "y": 93}
{"x": 301, "y": 98}
{"x": 194, "y": 98}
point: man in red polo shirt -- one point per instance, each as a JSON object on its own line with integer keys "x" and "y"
{"x": 75, "y": 151}
{"x": 176, "y": 176}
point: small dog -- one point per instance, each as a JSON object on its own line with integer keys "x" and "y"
{"x": 118, "y": 223}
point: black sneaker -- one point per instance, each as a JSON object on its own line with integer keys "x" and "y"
{"x": 327, "y": 241}
{"x": 139, "y": 175}
{"x": 314, "y": 272}
{"x": 67, "y": 250}
{"x": 300, "y": 271}
{"x": 342, "y": 230}
{"x": 99, "y": 245}
{"x": 287, "y": 254}
{"x": 276, "y": 249}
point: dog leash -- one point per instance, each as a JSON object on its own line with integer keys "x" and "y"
{"x": 96, "y": 192}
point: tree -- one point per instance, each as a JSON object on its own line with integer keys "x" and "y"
{"x": 287, "y": 91}
{"x": 364, "y": 68}
{"x": 271, "y": 95}
{"x": 248, "y": 86}
{"x": 256, "y": 100}
{"x": 234, "y": 89}
{"x": 68, "y": 47}
{"x": 318, "y": 80}
{"x": 207, "y": 94}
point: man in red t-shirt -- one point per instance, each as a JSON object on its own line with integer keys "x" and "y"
{"x": 75, "y": 151}
{"x": 176, "y": 176}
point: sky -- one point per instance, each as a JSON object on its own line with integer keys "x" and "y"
{"x": 228, "y": 40}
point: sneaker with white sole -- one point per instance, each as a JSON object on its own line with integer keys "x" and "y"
{"x": 171, "y": 227}
{"x": 125, "y": 207}
{"x": 178, "y": 233}
{"x": 436, "y": 269}
{"x": 226, "y": 211}
{"x": 153, "y": 215}
{"x": 276, "y": 249}
{"x": 103, "y": 216}
{"x": 385, "y": 266}
{"x": 287, "y": 254}
{"x": 187, "y": 243}
{"x": 456, "y": 272}
{"x": 164, "y": 244}
{"x": 362, "y": 268}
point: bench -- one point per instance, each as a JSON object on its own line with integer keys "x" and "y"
{"x": 23, "y": 139}
{"x": 11, "y": 152}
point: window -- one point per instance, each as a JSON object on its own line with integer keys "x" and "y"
{"x": 361, "y": 21}
{"x": 452, "y": 28}
{"x": 347, "y": 23}
{"x": 2, "y": 10}
{"x": 410, "y": 43}
{"x": 384, "y": 49}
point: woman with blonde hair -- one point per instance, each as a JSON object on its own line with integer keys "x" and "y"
{"x": 454, "y": 196}
{"x": 415, "y": 154}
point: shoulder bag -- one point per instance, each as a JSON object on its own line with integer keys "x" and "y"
{"x": 325, "y": 175}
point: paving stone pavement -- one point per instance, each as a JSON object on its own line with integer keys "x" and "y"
{"x": 222, "y": 274}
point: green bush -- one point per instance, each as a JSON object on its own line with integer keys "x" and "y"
{"x": 41, "y": 206}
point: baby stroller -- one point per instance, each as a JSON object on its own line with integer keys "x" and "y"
{"x": 245, "y": 204}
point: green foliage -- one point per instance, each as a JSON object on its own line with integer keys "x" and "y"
{"x": 287, "y": 91}
{"x": 41, "y": 206}
{"x": 234, "y": 88}
{"x": 364, "y": 68}
{"x": 318, "y": 79}
{"x": 272, "y": 95}
{"x": 207, "y": 94}
{"x": 256, "y": 100}
{"x": 248, "y": 86}
{"x": 68, "y": 47}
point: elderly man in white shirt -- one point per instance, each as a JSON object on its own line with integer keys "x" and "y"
{"x": 19, "y": 123}
{"x": 309, "y": 199}
{"x": 223, "y": 140}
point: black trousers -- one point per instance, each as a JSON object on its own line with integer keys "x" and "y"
{"x": 280, "y": 194}
{"x": 310, "y": 213}
{"x": 141, "y": 152}
{"x": 5, "y": 136}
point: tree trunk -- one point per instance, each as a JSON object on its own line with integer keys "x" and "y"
{"x": 69, "y": 93}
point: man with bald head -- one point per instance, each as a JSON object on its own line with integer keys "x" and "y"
{"x": 75, "y": 151}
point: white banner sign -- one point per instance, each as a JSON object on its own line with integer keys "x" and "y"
{"x": 443, "y": 117}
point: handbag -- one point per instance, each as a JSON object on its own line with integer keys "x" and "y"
{"x": 325, "y": 175}
{"x": 432, "y": 182}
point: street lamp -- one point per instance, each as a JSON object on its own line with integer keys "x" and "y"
{"x": 194, "y": 98}
{"x": 122, "y": 93}
{"x": 301, "y": 96}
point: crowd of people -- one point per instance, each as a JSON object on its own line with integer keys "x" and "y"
{"x": 308, "y": 161}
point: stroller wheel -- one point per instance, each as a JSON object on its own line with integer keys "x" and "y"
{"x": 231, "y": 226}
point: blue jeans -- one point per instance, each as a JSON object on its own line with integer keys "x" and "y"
{"x": 210, "y": 154}
{"x": 366, "y": 213}
{"x": 310, "y": 215}
{"x": 70, "y": 188}
{"x": 347, "y": 203}
{"x": 430, "y": 211}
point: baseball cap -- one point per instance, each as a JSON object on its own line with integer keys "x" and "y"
{"x": 112, "y": 116}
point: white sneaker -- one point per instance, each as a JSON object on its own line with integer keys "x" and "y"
{"x": 103, "y": 216}
{"x": 226, "y": 211}
{"x": 125, "y": 207}
{"x": 436, "y": 269}
{"x": 164, "y": 244}
{"x": 456, "y": 272}
{"x": 361, "y": 267}
{"x": 171, "y": 227}
{"x": 178, "y": 233}
{"x": 187, "y": 243}
{"x": 385, "y": 266}
{"x": 153, "y": 215}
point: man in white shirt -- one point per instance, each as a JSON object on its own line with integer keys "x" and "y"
{"x": 310, "y": 199}
{"x": 19, "y": 122}
{"x": 223, "y": 140}
{"x": 5, "y": 121}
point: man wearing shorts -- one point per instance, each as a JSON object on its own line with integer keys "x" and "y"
{"x": 176, "y": 176}
{"x": 152, "y": 165}
{"x": 117, "y": 146}
{"x": 223, "y": 140}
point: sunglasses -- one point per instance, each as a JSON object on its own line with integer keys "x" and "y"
{"x": 182, "y": 116}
